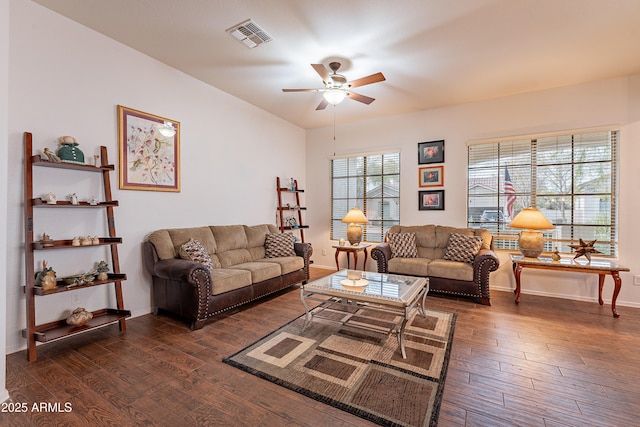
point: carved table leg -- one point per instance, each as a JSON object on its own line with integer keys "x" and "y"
{"x": 618, "y": 284}
{"x": 355, "y": 260}
{"x": 337, "y": 263}
{"x": 517, "y": 269}
{"x": 600, "y": 285}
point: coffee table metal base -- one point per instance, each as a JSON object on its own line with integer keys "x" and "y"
{"x": 352, "y": 301}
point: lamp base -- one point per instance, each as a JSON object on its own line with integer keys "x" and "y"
{"x": 354, "y": 234}
{"x": 531, "y": 243}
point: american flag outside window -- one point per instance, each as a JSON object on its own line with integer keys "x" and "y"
{"x": 510, "y": 192}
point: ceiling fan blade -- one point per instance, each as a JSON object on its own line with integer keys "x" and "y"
{"x": 360, "y": 98}
{"x": 322, "y": 104}
{"x": 300, "y": 90}
{"x": 322, "y": 71}
{"x": 373, "y": 78}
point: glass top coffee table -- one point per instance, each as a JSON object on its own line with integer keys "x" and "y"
{"x": 350, "y": 291}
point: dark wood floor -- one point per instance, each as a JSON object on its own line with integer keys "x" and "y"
{"x": 547, "y": 362}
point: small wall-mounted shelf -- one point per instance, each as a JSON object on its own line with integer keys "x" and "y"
{"x": 63, "y": 287}
{"x": 38, "y": 202}
{"x": 56, "y": 330}
{"x": 68, "y": 244}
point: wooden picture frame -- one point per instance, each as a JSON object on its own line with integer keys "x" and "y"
{"x": 148, "y": 160}
{"x": 431, "y": 176}
{"x": 432, "y": 200}
{"x": 431, "y": 152}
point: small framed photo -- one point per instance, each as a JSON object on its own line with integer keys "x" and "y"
{"x": 431, "y": 152}
{"x": 431, "y": 200}
{"x": 431, "y": 176}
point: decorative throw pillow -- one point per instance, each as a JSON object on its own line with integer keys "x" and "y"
{"x": 278, "y": 245}
{"x": 194, "y": 251}
{"x": 462, "y": 248}
{"x": 403, "y": 245}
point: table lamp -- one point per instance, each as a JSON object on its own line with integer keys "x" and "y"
{"x": 355, "y": 217}
{"x": 531, "y": 242}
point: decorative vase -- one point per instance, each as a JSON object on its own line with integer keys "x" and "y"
{"x": 69, "y": 151}
{"x": 46, "y": 278}
{"x": 79, "y": 317}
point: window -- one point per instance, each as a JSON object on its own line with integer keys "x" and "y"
{"x": 370, "y": 182}
{"x": 570, "y": 178}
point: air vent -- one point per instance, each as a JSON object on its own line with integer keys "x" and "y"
{"x": 249, "y": 34}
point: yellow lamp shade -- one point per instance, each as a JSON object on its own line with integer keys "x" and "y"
{"x": 354, "y": 231}
{"x": 530, "y": 242}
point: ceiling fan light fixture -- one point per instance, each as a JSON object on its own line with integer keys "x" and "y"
{"x": 167, "y": 129}
{"x": 334, "y": 96}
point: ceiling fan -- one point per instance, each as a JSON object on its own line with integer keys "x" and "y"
{"x": 336, "y": 87}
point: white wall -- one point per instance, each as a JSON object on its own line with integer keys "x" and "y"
{"x": 4, "y": 106}
{"x": 615, "y": 101}
{"x": 67, "y": 80}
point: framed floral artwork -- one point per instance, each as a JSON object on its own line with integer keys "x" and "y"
{"x": 431, "y": 176}
{"x": 149, "y": 151}
{"x": 431, "y": 200}
{"x": 431, "y": 152}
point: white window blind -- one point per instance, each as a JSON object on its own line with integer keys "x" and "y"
{"x": 571, "y": 178}
{"x": 370, "y": 182}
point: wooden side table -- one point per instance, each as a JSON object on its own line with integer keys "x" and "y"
{"x": 599, "y": 267}
{"x": 350, "y": 249}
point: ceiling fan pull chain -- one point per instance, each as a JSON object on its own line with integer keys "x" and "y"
{"x": 334, "y": 130}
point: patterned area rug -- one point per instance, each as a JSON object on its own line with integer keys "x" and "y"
{"x": 357, "y": 370}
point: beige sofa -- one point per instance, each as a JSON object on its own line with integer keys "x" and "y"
{"x": 446, "y": 276}
{"x": 240, "y": 268}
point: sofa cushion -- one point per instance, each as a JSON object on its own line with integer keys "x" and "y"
{"x": 403, "y": 245}
{"x": 227, "y": 279}
{"x": 288, "y": 264}
{"x": 260, "y": 270}
{"x": 229, "y": 259}
{"x": 462, "y": 248}
{"x": 279, "y": 245}
{"x": 410, "y": 266}
{"x": 451, "y": 270}
{"x": 229, "y": 237}
{"x": 194, "y": 251}
{"x": 167, "y": 242}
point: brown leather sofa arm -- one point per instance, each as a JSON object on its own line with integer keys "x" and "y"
{"x": 484, "y": 263}
{"x": 382, "y": 254}
{"x": 180, "y": 281}
{"x": 180, "y": 270}
{"x": 305, "y": 251}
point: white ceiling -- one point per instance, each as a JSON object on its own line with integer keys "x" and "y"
{"x": 433, "y": 53}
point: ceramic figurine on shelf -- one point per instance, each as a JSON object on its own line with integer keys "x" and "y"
{"x": 46, "y": 278}
{"x": 95, "y": 240}
{"x": 79, "y": 317}
{"x": 93, "y": 201}
{"x": 50, "y": 199}
{"x": 69, "y": 151}
{"x": 51, "y": 156}
{"x": 75, "y": 241}
{"x": 103, "y": 270}
{"x": 85, "y": 241}
{"x": 96, "y": 160}
{"x": 73, "y": 198}
{"x": 46, "y": 241}
{"x": 292, "y": 185}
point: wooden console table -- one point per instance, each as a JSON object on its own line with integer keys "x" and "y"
{"x": 350, "y": 249}
{"x": 599, "y": 267}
